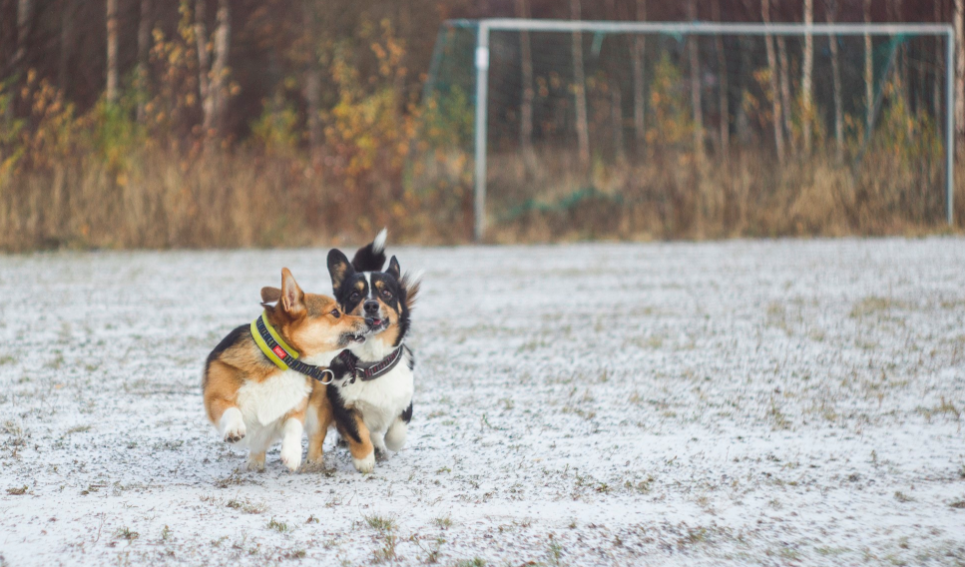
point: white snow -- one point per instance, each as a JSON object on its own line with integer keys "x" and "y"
{"x": 742, "y": 402}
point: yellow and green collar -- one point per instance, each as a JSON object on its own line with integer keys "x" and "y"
{"x": 283, "y": 356}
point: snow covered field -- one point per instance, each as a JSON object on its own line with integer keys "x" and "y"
{"x": 744, "y": 402}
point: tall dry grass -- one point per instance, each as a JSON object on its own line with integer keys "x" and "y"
{"x": 224, "y": 199}
{"x": 244, "y": 199}
{"x": 670, "y": 196}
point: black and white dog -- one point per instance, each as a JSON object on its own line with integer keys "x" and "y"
{"x": 372, "y": 406}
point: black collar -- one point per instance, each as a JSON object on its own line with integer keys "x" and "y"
{"x": 368, "y": 372}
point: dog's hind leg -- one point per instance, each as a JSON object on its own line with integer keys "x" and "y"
{"x": 359, "y": 444}
{"x": 395, "y": 436}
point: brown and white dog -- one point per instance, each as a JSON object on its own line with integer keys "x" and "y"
{"x": 372, "y": 406}
{"x": 258, "y": 379}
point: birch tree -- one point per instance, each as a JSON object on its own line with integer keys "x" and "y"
{"x": 808, "y": 72}
{"x": 939, "y": 54}
{"x": 695, "y": 94}
{"x": 831, "y": 12}
{"x": 869, "y": 73}
{"x": 219, "y": 70}
{"x": 616, "y": 96}
{"x": 723, "y": 101}
{"x": 143, "y": 52}
{"x": 66, "y": 42}
{"x": 772, "y": 77}
{"x": 24, "y": 11}
{"x": 528, "y": 93}
{"x": 313, "y": 75}
{"x": 637, "y": 55}
{"x": 785, "y": 76}
{"x": 959, "y": 72}
{"x": 212, "y": 72}
{"x": 112, "y": 51}
{"x": 201, "y": 37}
{"x": 579, "y": 89}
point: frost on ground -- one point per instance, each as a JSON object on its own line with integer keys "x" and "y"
{"x": 775, "y": 402}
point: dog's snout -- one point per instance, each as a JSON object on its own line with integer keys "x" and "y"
{"x": 371, "y": 307}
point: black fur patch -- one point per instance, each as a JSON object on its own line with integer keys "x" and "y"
{"x": 344, "y": 417}
{"x": 229, "y": 341}
{"x": 407, "y": 414}
{"x": 367, "y": 260}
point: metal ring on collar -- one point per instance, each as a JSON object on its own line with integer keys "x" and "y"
{"x": 331, "y": 377}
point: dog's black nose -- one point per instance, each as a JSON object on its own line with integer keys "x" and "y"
{"x": 371, "y": 307}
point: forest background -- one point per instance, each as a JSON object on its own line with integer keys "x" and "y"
{"x": 225, "y": 123}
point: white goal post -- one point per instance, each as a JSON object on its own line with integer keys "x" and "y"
{"x": 485, "y": 26}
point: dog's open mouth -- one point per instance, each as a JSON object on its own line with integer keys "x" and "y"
{"x": 348, "y": 338}
{"x": 377, "y": 324}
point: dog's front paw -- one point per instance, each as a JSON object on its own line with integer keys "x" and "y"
{"x": 291, "y": 457}
{"x": 233, "y": 426}
{"x": 366, "y": 464}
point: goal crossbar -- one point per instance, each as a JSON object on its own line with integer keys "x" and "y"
{"x": 485, "y": 26}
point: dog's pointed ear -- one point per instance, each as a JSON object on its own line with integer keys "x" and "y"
{"x": 394, "y": 270}
{"x": 270, "y": 294}
{"x": 292, "y": 297}
{"x": 339, "y": 268}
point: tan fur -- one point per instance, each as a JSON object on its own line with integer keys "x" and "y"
{"x": 318, "y": 403}
{"x": 306, "y": 322}
{"x": 362, "y": 449}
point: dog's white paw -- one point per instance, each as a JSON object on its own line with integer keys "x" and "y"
{"x": 366, "y": 464}
{"x": 291, "y": 457}
{"x": 232, "y": 426}
{"x": 291, "y": 444}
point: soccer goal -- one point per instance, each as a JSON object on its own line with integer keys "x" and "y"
{"x": 624, "y": 129}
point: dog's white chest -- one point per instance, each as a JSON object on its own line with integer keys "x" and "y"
{"x": 382, "y": 400}
{"x": 263, "y": 403}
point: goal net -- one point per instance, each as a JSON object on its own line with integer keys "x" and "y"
{"x": 554, "y": 129}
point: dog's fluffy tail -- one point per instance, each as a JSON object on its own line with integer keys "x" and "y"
{"x": 411, "y": 284}
{"x": 371, "y": 257}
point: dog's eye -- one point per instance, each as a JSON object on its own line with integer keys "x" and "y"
{"x": 335, "y": 313}
{"x": 354, "y": 297}
{"x": 387, "y": 294}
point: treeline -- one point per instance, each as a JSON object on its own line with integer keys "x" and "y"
{"x": 273, "y": 122}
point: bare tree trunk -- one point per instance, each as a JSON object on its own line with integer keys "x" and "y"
{"x": 785, "y": 76}
{"x": 579, "y": 87}
{"x": 772, "y": 75}
{"x": 528, "y": 94}
{"x": 869, "y": 73}
{"x": 695, "y": 91}
{"x": 201, "y": 36}
{"x": 724, "y": 101}
{"x": 637, "y": 56}
{"x": 66, "y": 42}
{"x": 313, "y": 77}
{"x": 143, "y": 51}
{"x": 808, "y": 73}
{"x": 112, "y": 51}
{"x": 219, "y": 70}
{"x": 24, "y": 11}
{"x": 939, "y": 55}
{"x": 616, "y": 96}
{"x": 901, "y": 57}
{"x": 832, "y": 13}
{"x": 959, "y": 72}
